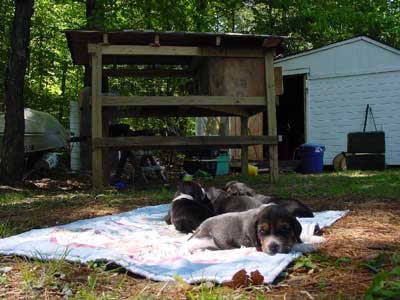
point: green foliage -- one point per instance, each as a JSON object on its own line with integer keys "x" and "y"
{"x": 386, "y": 285}
{"x": 7, "y": 229}
{"x": 375, "y": 264}
{"x": 10, "y": 198}
{"x": 53, "y": 81}
{"x": 304, "y": 262}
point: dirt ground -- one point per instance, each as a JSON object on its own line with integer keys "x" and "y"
{"x": 342, "y": 269}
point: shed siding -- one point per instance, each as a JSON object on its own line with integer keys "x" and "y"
{"x": 336, "y": 106}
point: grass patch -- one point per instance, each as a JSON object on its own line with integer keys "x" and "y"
{"x": 343, "y": 270}
{"x": 8, "y": 228}
{"x": 386, "y": 284}
{"x": 361, "y": 184}
{"x": 11, "y": 197}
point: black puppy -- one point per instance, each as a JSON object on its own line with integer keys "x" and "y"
{"x": 269, "y": 228}
{"x": 189, "y": 208}
{"x": 239, "y": 189}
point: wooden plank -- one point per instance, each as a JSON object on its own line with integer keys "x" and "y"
{"x": 255, "y": 127}
{"x": 245, "y": 149}
{"x": 147, "y": 50}
{"x": 218, "y": 41}
{"x": 105, "y": 38}
{"x": 150, "y": 73}
{"x": 272, "y": 42}
{"x": 106, "y": 121}
{"x": 180, "y": 111}
{"x": 271, "y": 112}
{"x": 149, "y": 142}
{"x": 97, "y": 155}
{"x": 238, "y": 77}
{"x": 176, "y": 51}
{"x": 305, "y": 106}
{"x": 157, "y": 40}
{"x": 86, "y": 128}
{"x": 232, "y": 52}
{"x": 227, "y": 111}
{"x": 278, "y": 76}
{"x": 182, "y": 100}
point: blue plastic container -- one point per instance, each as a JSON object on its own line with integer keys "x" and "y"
{"x": 222, "y": 164}
{"x": 311, "y": 158}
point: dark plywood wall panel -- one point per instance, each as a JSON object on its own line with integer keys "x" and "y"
{"x": 238, "y": 77}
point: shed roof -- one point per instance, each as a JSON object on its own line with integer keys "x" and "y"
{"x": 339, "y": 44}
{"x": 78, "y": 41}
{"x": 358, "y": 55}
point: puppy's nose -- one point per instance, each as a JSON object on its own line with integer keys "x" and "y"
{"x": 273, "y": 248}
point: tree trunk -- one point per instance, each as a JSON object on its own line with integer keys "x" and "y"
{"x": 94, "y": 20}
{"x": 12, "y": 153}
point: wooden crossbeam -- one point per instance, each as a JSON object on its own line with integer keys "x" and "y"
{"x": 150, "y": 73}
{"x": 152, "y": 142}
{"x": 176, "y": 51}
{"x": 182, "y": 100}
{"x": 227, "y": 110}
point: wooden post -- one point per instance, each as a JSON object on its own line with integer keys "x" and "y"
{"x": 305, "y": 106}
{"x": 107, "y": 162}
{"x": 271, "y": 112}
{"x": 245, "y": 149}
{"x": 97, "y": 131}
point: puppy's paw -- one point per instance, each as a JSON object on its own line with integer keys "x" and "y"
{"x": 310, "y": 244}
{"x": 199, "y": 244}
{"x": 313, "y": 239}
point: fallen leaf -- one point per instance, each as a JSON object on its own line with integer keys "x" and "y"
{"x": 256, "y": 278}
{"x": 239, "y": 279}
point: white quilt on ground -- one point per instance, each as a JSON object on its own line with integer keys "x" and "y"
{"x": 141, "y": 242}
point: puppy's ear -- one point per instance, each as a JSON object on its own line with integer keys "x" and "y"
{"x": 167, "y": 218}
{"x": 228, "y": 184}
{"x": 257, "y": 242}
{"x": 211, "y": 193}
{"x": 250, "y": 192}
{"x": 297, "y": 229}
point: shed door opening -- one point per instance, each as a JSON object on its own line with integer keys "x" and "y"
{"x": 290, "y": 115}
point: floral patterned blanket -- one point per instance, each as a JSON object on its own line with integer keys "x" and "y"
{"x": 141, "y": 242}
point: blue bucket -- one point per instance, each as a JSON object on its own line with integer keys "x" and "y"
{"x": 311, "y": 158}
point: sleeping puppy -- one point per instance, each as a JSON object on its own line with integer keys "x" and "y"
{"x": 294, "y": 206}
{"x": 224, "y": 202}
{"x": 239, "y": 188}
{"x": 189, "y": 208}
{"x": 269, "y": 228}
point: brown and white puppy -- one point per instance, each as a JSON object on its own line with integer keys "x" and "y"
{"x": 269, "y": 228}
{"x": 189, "y": 208}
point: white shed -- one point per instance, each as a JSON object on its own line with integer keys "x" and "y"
{"x": 327, "y": 91}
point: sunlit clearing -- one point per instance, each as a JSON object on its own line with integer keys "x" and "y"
{"x": 356, "y": 174}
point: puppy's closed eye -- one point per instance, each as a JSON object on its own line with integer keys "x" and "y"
{"x": 263, "y": 229}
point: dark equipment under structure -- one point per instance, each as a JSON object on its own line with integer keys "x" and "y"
{"x": 206, "y": 57}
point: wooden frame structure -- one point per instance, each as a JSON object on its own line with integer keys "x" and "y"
{"x": 105, "y": 48}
